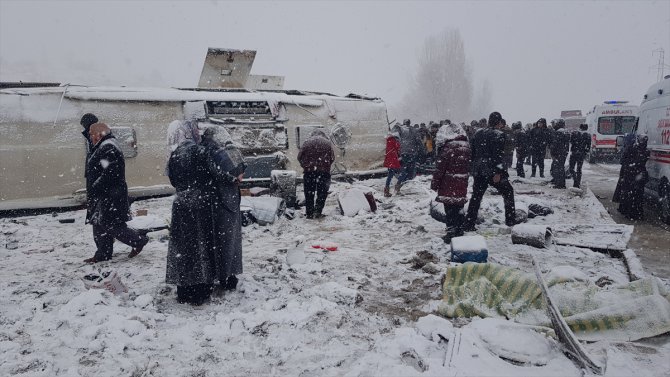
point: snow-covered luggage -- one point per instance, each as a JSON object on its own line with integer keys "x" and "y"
{"x": 469, "y": 249}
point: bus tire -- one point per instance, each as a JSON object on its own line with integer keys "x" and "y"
{"x": 664, "y": 202}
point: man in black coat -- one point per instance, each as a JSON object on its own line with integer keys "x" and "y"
{"x": 522, "y": 148}
{"x": 539, "y": 139}
{"x": 580, "y": 144}
{"x": 107, "y": 196}
{"x": 316, "y": 157}
{"x": 87, "y": 121}
{"x": 488, "y": 148}
{"x": 560, "y": 144}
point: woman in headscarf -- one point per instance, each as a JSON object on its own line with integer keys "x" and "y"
{"x": 179, "y": 131}
{"x": 226, "y": 166}
{"x": 450, "y": 178}
{"x": 190, "y": 258}
{"x": 633, "y": 176}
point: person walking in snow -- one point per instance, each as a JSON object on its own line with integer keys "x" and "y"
{"x": 540, "y": 137}
{"x": 392, "y": 158}
{"x": 316, "y": 157}
{"x": 580, "y": 145}
{"x": 633, "y": 176}
{"x": 108, "y": 208}
{"x": 450, "y": 179}
{"x": 226, "y": 166}
{"x": 191, "y": 255}
{"x": 488, "y": 148}
{"x": 560, "y": 145}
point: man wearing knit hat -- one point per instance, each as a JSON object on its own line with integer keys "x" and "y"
{"x": 488, "y": 149}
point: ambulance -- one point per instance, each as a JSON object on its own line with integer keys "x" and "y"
{"x": 606, "y": 122}
{"x": 654, "y": 121}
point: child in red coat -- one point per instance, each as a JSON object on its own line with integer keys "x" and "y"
{"x": 392, "y": 159}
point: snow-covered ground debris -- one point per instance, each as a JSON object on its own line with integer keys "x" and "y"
{"x": 367, "y": 308}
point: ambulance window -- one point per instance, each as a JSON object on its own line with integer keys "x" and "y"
{"x": 127, "y": 140}
{"x": 616, "y": 125}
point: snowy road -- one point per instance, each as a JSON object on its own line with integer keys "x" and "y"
{"x": 362, "y": 310}
{"x": 650, "y": 238}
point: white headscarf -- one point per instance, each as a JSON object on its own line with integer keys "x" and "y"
{"x": 181, "y": 130}
{"x": 448, "y": 132}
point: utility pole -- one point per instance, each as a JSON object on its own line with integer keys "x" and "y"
{"x": 660, "y": 67}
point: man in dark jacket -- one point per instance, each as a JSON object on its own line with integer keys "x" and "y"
{"x": 488, "y": 148}
{"x": 87, "y": 121}
{"x": 521, "y": 144}
{"x": 107, "y": 196}
{"x": 539, "y": 140}
{"x": 560, "y": 144}
{"x": 411, "y": 149}
{"x": 316, "y": 156}
{"x": 580, "y": 145}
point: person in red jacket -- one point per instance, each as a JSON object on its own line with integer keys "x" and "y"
{"x": 450, "y": 179}
{"x": 392, "y": 159}
{"x": 316, "y": 156}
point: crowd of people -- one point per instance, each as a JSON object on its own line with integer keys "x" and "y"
{"x": 485, "y": 150}
{"x": 206, "y": 169}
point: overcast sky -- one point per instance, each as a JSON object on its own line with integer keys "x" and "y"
{"x": 540, "y": 57}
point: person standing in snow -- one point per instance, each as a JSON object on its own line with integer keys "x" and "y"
{"x": 633, "y": 176}
{"x": 190, "y": 256}
{"x": 411, "y": 148}
{"x": 488, "y": 148}
{"x": 226, "y": 167}
{"x": 539, "y": 139}
{"x": 450, "y": 179}
{"x": 560, "y": 144}
{"x": 108, "y": 208}
{"x": 509, "y": 145}
{"x": 392, "y": 158}
{"x": 316, "y": 157}
{"x": 521, "y": 145}
{"x": 87, "y": 121}
{"x": 580, "y": 144}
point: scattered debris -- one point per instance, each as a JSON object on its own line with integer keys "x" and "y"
{"x": 535, "y": 210}
{"x": 611, "y": 237}
{"x": 565, "y": 335}
{"x": 66, "y": 221}
{"x": 354, "y": 201}
{"x": 108, "y": 280}
{"x": 264, "y": 209}
{"x": 604, "y": 281}
{"x": 539, "y": 236}
{"x": 469, "y": 249}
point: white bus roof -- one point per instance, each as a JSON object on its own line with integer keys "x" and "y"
{"x": 657, "y": 90}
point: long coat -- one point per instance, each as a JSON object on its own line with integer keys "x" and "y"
{"x": 392, "y": 158}
{"x": 560, "y": 143}
{"x": 450, "y": 178}
{"x": 225, "y": 206}
{"x": 190, "y": 257}
{"x": 316, "y": 153}
{"x": 629, "y": 192}
{"x": 106, "y": 188}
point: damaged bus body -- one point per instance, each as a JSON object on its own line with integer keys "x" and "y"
{"x": 42, "y": 151}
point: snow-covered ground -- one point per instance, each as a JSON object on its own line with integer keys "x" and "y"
{"x": 365, "y": 309}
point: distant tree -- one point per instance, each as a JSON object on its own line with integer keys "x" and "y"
{"x": 442, "y": 85}
{"x": 483, "y": 103}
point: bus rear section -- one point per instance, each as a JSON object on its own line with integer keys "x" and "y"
{"x": 606, "y": 122}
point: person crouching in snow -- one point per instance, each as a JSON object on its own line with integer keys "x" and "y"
{"x": 450, "y": 179}
{"x": 392, "y": 159}
{"x": 316, "y": 156}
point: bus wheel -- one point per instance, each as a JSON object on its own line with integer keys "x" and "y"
{"x": 664, "y": 202}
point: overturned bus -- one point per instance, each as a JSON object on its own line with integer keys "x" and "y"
{"x": 42, "y": 151}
